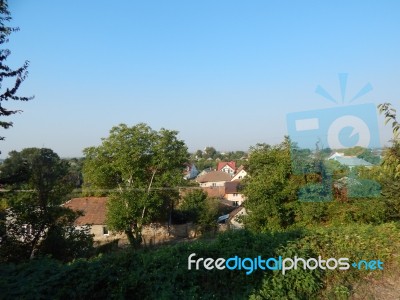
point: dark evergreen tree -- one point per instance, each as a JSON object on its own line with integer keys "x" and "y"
{"x": 8, "y": 75}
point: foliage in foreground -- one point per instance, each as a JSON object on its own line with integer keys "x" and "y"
{"x": 32, "y": 222}
{"x": 162, "y": 273}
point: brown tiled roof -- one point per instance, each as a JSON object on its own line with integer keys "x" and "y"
{"x": 94, "y": 209}
{"x": 233, "y": 213}
{"x": 214, "y": 176}
{"x": 231, "y": 187}
{"x": 215, "y": 192}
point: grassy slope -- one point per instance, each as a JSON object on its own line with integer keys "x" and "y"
{"x": 162, "y": 273}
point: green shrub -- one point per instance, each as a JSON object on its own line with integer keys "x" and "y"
{"x": 162, "y": 273}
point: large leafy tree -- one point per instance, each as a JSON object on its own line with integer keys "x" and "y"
{"x": 13, "y": 76}
{"x": 271, "y": 187}
{"x": 35, "y": 223}
{"x": 142, "y": 168}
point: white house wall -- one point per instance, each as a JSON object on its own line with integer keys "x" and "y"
{"x": 235, "y": 197}
{"x": 242, "y": 174}
{"x": 212, "y": 184}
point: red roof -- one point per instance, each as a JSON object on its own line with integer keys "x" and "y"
{"x": 94, "y": 209}
{"x": 222, "y": 164}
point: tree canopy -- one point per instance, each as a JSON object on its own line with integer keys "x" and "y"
{"x": 270, "y": 187}
{"x": 34, "y": 222}
{"x": 142, "y": 168}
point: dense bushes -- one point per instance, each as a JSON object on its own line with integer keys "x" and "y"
{"x": 163, "y": 273}
{"x": 145, "y": 274}
{"x": 356, "y": 211}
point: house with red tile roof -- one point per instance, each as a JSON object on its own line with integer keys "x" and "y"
{"x": 227, "y": 167}
{"x": 94, "y": 211}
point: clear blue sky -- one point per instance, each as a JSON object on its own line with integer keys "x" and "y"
{"x": 222, "y": 73}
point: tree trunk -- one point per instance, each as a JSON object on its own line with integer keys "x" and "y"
{"x": 134, "y": 235}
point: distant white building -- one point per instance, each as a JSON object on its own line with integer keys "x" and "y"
{"x": 349, "y": 161}
{"x": 240, "y": 174}
{"x": 335, "y": 155}
{"x": 236, "y": 218}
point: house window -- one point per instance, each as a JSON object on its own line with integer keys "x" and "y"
{"x": 214, "y": 184}
{"x": 235, "y": 203}
{"x": 235, "y": 194}
{"x": 105, "y": 230}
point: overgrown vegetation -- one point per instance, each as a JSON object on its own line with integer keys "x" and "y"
{"x": 162, "y": 273}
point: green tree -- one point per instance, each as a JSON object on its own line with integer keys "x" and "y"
{"x": 390, "y": 116}
{"x": 270, "y": 188}
{"x": 204, "y": 164}
{"x": 40, "y": 170}
{"x": 75, "y": 169}
{"x": 208, "y": 217}
{"x": 14, "y": 76}
{"x": 193, "y": 205}
{"x": 35, "y": 222}
{"x": 142, "y": 168}
{"x": 210, "y": 152}
{"x": 354, "y": 151}
{"x": 390, "y": 171}
{"x": 391, "y": 161}
{"x": 198, "y": 154}
{"x": 234, "y": 155}
{"x": 370, "y": 157}
{"x": 196, "y": 207}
